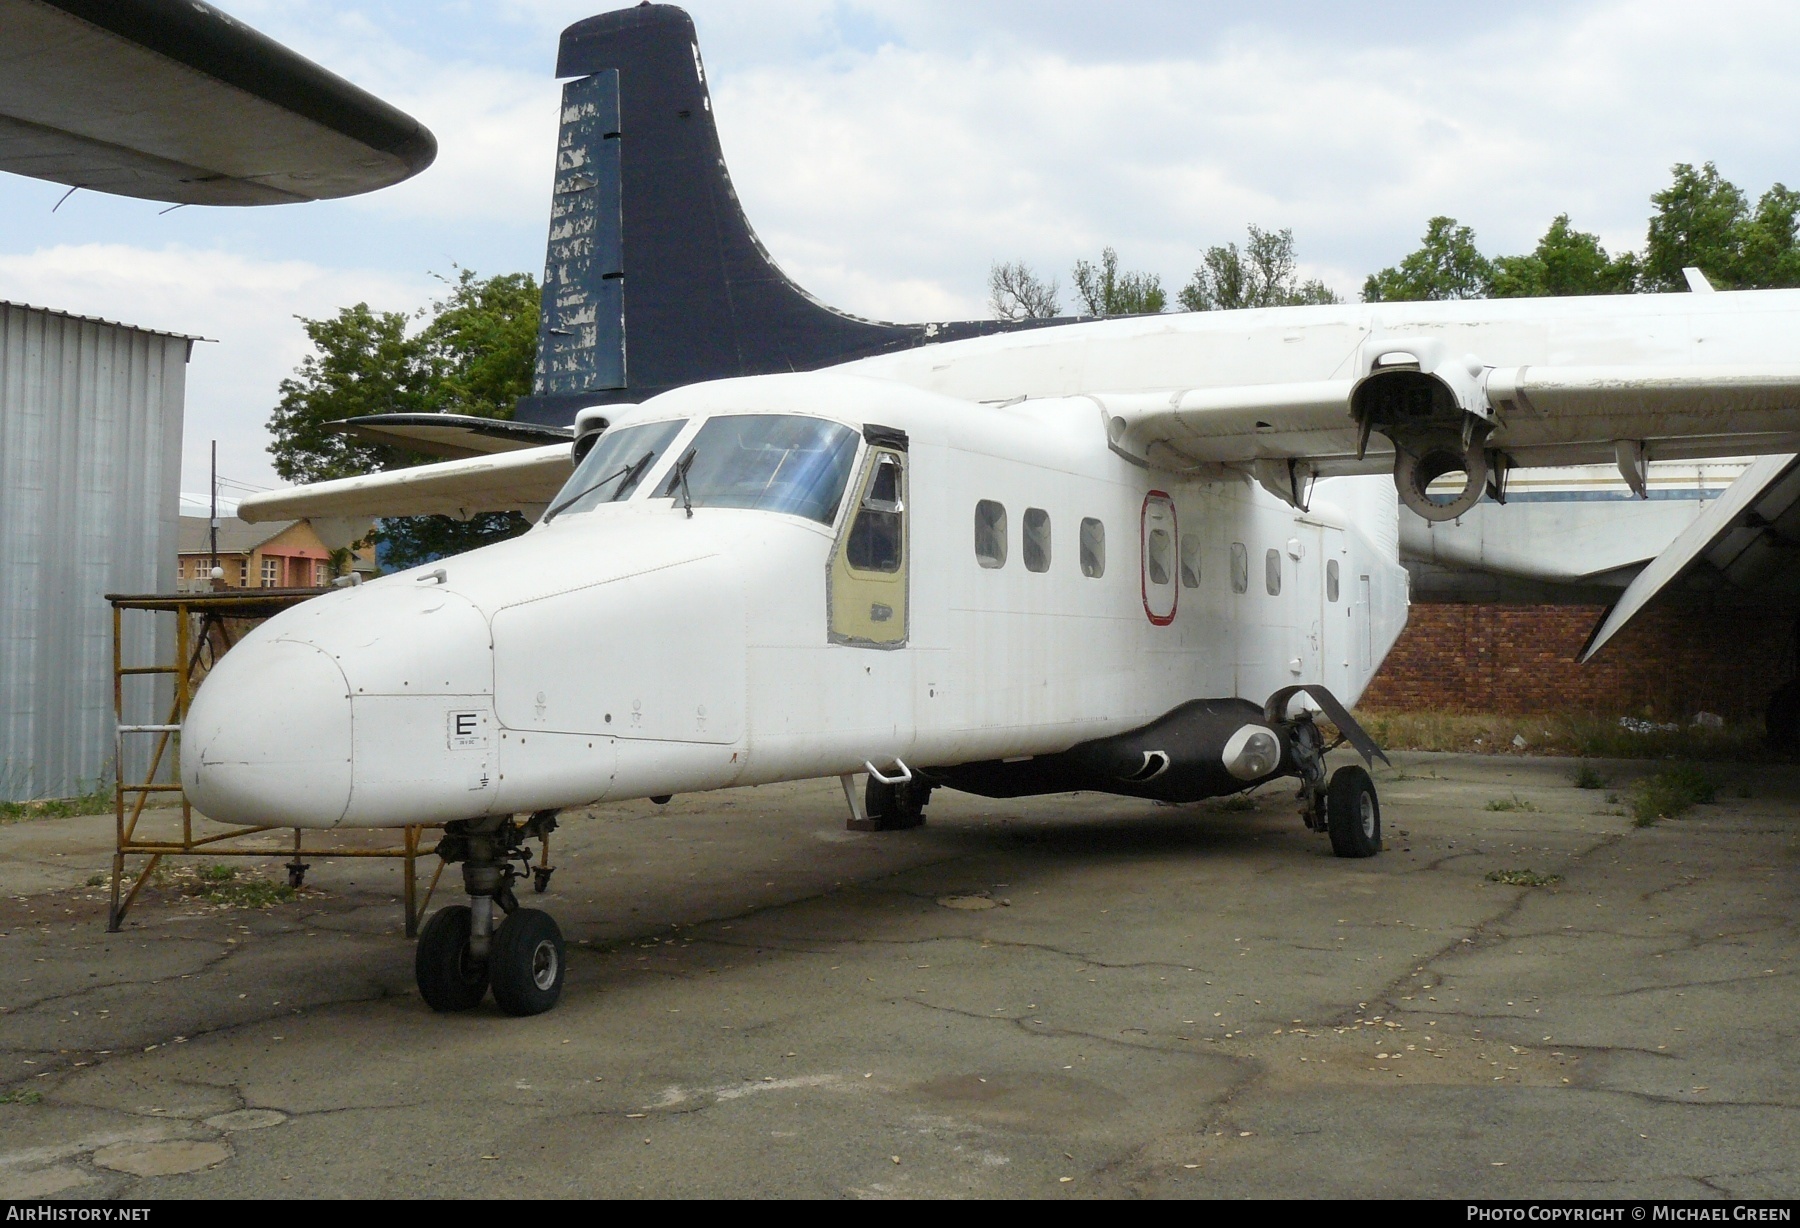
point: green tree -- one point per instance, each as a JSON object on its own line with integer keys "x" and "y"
{"x": 473, "y": 355}
{"x": 1446, "y": 266}
{"x": 1262, "y": 275}
{"x": 1703, "y": 221}
{"x": 481, "y": 344}
{"x": 364, "y": 363}
{"x": 1104, "y": 291}
{"x": 1565, "y": 261}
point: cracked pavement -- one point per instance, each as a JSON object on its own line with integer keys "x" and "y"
{"x": 1070, "y": 996}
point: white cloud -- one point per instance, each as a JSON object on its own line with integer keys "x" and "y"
{"x": 246, "y": 306}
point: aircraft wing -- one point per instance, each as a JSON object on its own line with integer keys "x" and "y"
{"x": 1745, "y": 536}
{"x": 1539, "y": 415}
{"x": 452, "y": 436}
{"x": 523, "y": 481}
{"x": 174, "y": 100}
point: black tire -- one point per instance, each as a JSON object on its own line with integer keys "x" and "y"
{"x": 1353, "y": 813}
{"x": 896, "y": 807}
{"x": 449, "y": 980}
{"x": 526, "y": 963}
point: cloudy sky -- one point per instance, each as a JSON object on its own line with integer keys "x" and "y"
{"x": 889, "y": 150}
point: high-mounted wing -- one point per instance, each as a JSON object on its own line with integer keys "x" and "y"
{"x": 174, "y": 100}
{"x": 1442, "y": 415}
{"x": 523, "y": 481}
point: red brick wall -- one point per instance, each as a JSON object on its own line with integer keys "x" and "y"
{"x": 1678, "y": 658}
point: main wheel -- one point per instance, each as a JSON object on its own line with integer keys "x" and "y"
{"x": 1353, "y": 813}
{"x": 896, "y": 807}
{"x": 526, "y": 963}
{"x": 450, "y": 979}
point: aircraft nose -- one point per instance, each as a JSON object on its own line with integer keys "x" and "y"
{"x": 268, "y": 738}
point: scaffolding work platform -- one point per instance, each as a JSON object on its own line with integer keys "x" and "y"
{"x": 203, "y": 633}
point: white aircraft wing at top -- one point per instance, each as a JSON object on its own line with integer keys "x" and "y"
{"x": 1540, "y": 416}
{"x": 1453, "y": 415}
{"x": 523, "y": 481}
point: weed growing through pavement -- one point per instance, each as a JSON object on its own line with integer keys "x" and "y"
{"x": 21, "y": 1096}
{"x": 1585, "y": 777}
{"x": 218, "y": 883}
{"x": 1671, "y": 793}
{"x": 1523, "y": 878}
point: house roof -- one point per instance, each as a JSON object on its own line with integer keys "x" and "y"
{"x": 235, "y": 536}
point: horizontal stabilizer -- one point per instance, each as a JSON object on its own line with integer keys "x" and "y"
{"x": 1739, "y": 536}
{"x": 451, "y": 436}
{"x": 523, "y": 481}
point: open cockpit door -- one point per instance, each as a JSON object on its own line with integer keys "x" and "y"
{"x": 867, "y": 583}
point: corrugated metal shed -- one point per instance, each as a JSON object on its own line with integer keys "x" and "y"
{"x": 90, "y": 472}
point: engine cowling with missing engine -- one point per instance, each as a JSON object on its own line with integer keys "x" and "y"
{"x": 1434, "y": 408}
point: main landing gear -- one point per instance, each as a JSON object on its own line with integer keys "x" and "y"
{"x": 1345, "y": 807}
{"x": 888, "y": 803}
{"x": 462, "y": 953}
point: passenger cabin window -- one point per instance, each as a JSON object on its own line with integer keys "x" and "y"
{"x": 1240, "y": 568}
{"x": 614, "y": 467}
{"x": 1093, "y": 548}
{"x": 1036, "y": 540}
{"x": 1331, "y": 580}
{"x": 1156, "y": 556}
{"x": 1272, "y": 572}
{"x": 874, "y": 542}
{"x": 765, "y": 463}
{"x": 990, "y": 534}
{"x": 1190, "y": 560}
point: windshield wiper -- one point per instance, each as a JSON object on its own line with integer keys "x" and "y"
{"x": 629, "y": 473}
{"x": 680, "y": 475}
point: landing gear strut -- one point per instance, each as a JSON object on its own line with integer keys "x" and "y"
{"x": 1345, "y": 807}
{"x": 463, "y": 953}
{"x": 896, "y": 803}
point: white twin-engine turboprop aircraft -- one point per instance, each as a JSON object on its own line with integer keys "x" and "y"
{"x": 1081, "y": 557}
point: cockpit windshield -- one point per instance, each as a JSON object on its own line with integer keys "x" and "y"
{"x": 768, "y": 462}
{"x": 614, "y": 468}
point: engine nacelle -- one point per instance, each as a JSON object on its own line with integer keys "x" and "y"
{"x": 1435, "y": 411}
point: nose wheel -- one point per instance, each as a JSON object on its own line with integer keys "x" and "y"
{"x": 462, "y": 953}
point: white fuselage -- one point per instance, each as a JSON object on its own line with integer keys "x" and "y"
{"x": 632, "y": 650}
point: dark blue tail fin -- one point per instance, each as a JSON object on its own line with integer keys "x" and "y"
{"x": 653, "y": 277}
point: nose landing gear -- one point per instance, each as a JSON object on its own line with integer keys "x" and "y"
{"x": 462, "y": 953}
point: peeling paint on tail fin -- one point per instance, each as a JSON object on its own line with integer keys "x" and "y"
{"x": 653, "y": 276}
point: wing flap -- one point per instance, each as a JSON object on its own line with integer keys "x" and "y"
{"x": 523, "y": 481}
{"x": 1743, "y": 535}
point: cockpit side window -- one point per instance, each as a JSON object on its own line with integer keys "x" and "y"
{"x": 876, "y": 536}
{"x": 614, "y": 467}
{"x": 767, "y": 462}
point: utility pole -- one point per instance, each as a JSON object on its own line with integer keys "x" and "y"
{"x": 214, "y": 572}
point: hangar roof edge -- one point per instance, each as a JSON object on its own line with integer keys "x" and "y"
{"x": 136, "y": 328}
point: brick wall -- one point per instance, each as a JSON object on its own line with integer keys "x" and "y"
{"x": 1681, "y": 656}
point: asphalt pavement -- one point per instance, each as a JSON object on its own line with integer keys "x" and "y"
{"x": 1077, "y": 996}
